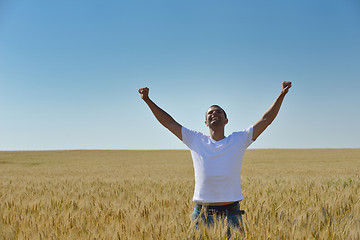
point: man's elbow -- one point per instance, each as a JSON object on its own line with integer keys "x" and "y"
{"x": 266, "y": 121}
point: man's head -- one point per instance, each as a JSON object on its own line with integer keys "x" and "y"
{"x": 215, "y": 116}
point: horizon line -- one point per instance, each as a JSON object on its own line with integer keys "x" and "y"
{"x": 53, "y": 150}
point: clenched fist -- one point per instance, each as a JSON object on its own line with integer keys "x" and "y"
{"x": 144, "y": 93}
{"x": 286, "y": 86}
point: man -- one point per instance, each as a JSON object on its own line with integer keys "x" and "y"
{"x": 217, "y": 159}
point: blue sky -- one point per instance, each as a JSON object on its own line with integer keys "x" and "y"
{"x": 70, "y": 71}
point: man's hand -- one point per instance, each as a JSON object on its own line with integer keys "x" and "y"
{"x": 285, "y": 87}
{"x": 144, "y": 93}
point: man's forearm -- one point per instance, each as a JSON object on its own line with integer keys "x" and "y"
{"x": 272, "y": 112}
{"x": 163, "y": 117}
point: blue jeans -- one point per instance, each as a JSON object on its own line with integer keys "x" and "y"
{"x": 230, "y": 213}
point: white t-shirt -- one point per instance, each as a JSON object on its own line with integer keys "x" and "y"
{"x": 217, "y": 164}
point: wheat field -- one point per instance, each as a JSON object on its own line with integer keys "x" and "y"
{"x": 288, "y": 194}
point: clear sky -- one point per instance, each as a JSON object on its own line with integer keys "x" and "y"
{"x": 70, "y": 71}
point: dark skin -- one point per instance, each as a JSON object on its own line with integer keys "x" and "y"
{"x": 216, "y": 120}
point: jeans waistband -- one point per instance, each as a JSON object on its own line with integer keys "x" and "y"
{"x": 231, "y": 206}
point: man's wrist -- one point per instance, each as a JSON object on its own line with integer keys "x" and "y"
{"x": 146, "y": 99}
{"x": 283, "y": 93}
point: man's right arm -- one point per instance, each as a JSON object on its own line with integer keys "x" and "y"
{"x": 163, "y": 117}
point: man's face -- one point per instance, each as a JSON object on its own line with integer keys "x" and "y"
{"x": 215, "y": 116}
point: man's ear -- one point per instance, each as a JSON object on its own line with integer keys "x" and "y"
{"x": 206, "y": 123}
{"x": 226, "y": 120}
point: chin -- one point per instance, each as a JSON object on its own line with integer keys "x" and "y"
{"x": 215, "y": 124}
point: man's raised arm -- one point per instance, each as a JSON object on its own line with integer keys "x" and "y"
{"x": 163, "y": 117}
{"x": 271, "y": 113}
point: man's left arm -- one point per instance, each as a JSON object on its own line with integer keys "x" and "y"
{"x": 271, "y": 113}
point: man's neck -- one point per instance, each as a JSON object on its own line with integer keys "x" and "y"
{"x": 217, "y": 134}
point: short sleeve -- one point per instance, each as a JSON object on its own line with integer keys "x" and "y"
{"x": 248, "y": 136}
{"x": 188, "y": 136}
{"x": 244, "y": 137}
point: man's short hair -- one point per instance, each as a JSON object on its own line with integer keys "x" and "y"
{"x": 217, "y": 106}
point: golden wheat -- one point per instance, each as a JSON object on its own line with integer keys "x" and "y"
{"x": 289, "y": 194}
